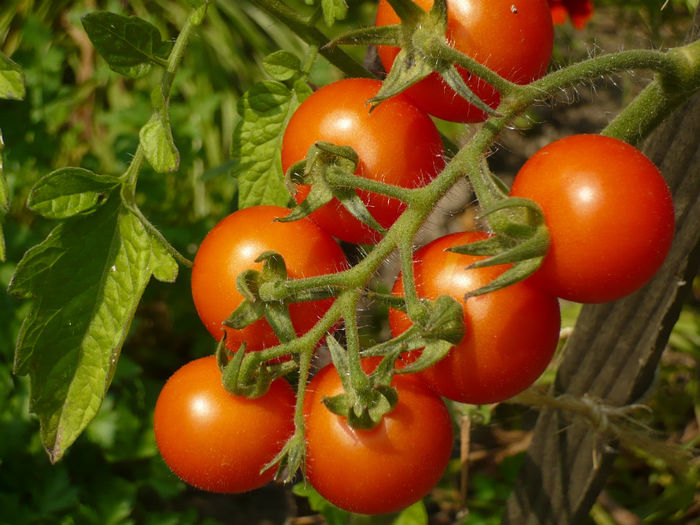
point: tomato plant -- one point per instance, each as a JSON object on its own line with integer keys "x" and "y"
{"x": 216, "y": 441}
{"x": 383, "y": 469}
{"x": 512, "y": 38}
{"x": 234, "y": 244}
{"x": 609, "y": 213}
{"x": 510, "y": 334}
{"x": 396, "y": 143}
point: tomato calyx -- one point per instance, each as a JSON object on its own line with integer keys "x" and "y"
{"x": 424, "y": 50}
{"x": 329, "y": 170}
{"x": 366, "y": 397}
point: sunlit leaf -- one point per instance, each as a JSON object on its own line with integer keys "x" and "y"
{"x": 265, "y": 110}
{"x": 157, "y": 141}
{"x": 85, "y": 281}
{"x": 69, "y": 191}
{"x": 11, "y": 79}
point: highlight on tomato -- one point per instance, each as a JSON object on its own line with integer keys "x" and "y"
{"x": 384, "y": 469}
{"x": 396, "y": 143}
{"x": 514, "y": 38}
{"x": 232, "y": 246}
{"x": 214, "y": 440}
{"x": 510, "y": 334}
{"x": 609, "y": 213}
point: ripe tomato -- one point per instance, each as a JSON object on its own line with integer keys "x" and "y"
{"x": 383, "y": 469}
{"x": 514, "y": 38}
{"x": 510, "y": 334}
{"x": 232, "y": 247}
{"x": 397, "y": 143}
{"x": 216, "y": 441}
{"x": 609, "y": 213}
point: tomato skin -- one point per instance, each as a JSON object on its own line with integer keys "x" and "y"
{"x": 232, "y": 247}
{"x": 609, "y": 212}
{"x": 396, "y": 143}
{"x": 510, "y": 334}
{"x": 216, "y": 441}
{"x": 514, "y": 38}
{"x": 384, "y": 469}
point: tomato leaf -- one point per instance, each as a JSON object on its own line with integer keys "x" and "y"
{"x": 11, "y": 79}
{"x": 416, "y": 514}
{"x": 130, "y": 45}
{"x": 265, "y": 110}
{"x": 332, "y": 514}
{"x": 282, "y": 65}
{"x": 85, "y": 281}
{"x": 4, "y": 202}
{"x": 333, "y": 10}
{"x": 69, "y": 191}
{"x": 158, "y": 145}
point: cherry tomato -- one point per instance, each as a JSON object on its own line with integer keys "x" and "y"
{"x": 609, "y": 213}
{"x": 383, "y": 469}
{"x": 396, "y": 144}
{"x": 216, "y": 441}
{"x": 232, "y": 247}
{"x": 510, "y": 334}
{"x": 514, "y": 38}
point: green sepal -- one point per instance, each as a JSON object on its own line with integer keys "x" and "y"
{"x": 274, "y": 267}
{"x": 409, "y": 68}
{"x": 234, "y": 372}
{"x": 453, "y": 78}
{"x": 381, "y": 36}
{"x": 518, "y": 272}
{"x": 432, "y": 352}
{"x": 408, "y": 11}
{"x": 445, "y": 320}
{"x": 326, "y": 161}
{"x": 290, "y": 458}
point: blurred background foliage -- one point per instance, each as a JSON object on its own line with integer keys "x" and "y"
{"x": 79, "y": 113}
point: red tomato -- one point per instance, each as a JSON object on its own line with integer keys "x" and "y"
{"x": 396, "y": 143}
{"x": 216, "y": 441}
{"x": 510, "y": 334}
{"x": 609, "y": 213}
{"x": 232, "y": 247}
{"x": 514, "y": 38}
{"x": 383, "y": 469}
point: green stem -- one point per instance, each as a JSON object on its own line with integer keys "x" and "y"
{"x": 360, "y": 381}
{"x": 313, "y": 37}
{"x": 340, "y": 178}
{"x": 642, "y": 115}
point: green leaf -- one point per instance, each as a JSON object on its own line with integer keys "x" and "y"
{"x": 11, "y": 79}
{"x": 332, "y": 514}
{"x": 282, "y": 65}
{"x": 165, "y": 267}
{"x": 69, "y": 191}
{"x": 130, "y": 45}
{"x": 265, "y": 110}
{"x": 4, "y": 201}
{"x": 416, "y": 514}
{"x": 86, "y": 279}
{"x": 158, "y": 144}
{"x": 333, "y": 10}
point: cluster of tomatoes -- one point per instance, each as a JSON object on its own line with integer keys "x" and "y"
{"x": 610, "y": 219}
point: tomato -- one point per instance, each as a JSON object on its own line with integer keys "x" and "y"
{"x": 514, "y": 38}
{"x": 232, "y": 246}
{"x": 383, "y": 469}
{"x": 609, "y": 213}
{"x": 396, "y": 143}
{"x": 510, "y": 334}
{"x": 216, "y": 441}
